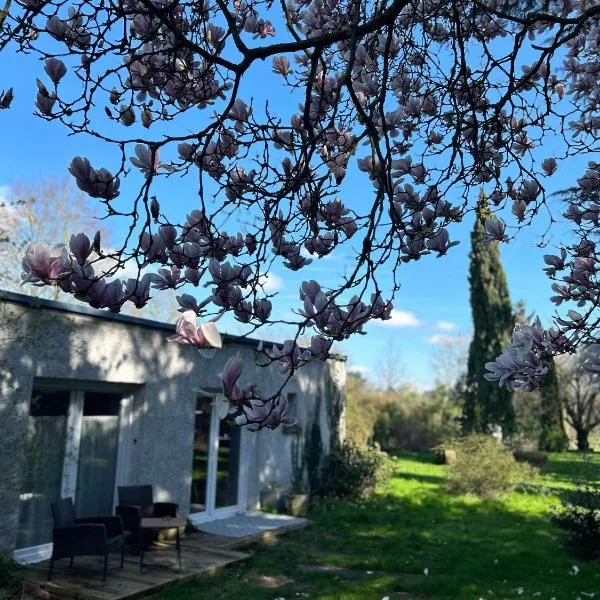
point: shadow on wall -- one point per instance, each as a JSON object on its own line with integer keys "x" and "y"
{"x": 43, "y": 349}
{"x": 296, "y": 457}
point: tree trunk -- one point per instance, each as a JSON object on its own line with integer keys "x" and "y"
{"x": 583, "y": 444}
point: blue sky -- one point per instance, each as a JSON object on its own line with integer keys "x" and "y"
{"x": 433, "y": 303}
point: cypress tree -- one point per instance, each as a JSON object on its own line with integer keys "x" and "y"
{"x": 553, "y": 437}
{"x": 493, "y": 322}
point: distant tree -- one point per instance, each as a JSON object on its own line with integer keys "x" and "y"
{"x": 416, "y": 421}
{"x": 553, "y": 437}
{"x": 53, "y": 209}
{"x": 493, "y": 323}
{"x": 580, "y": 395}
{"x": 521, "y": 316}
{"x": 42, "y": 209}
{"x": 391, "y": 369}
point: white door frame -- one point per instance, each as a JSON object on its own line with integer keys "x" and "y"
{"x": 33, "y": 554}
{"x": 212, "y": 513}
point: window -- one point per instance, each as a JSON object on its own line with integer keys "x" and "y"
{"x": 42, "y": 477}
{"x": 72, "y": 447}
{"x": 201, "y": 451}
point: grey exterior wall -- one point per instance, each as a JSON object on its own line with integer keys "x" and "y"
{"x": 50, "y": 344}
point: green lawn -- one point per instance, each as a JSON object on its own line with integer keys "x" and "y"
{"x": 471, "y": 549}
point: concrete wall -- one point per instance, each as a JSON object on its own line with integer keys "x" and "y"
{"x": 44, "y": 345}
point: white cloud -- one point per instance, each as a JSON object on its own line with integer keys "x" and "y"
{"x": 271, "y": 282}
{"x": 444, "y": 340}
{"x": 446, "y": 326}
{"x": 400, "y": 318}
{"x": 360, "y": 369}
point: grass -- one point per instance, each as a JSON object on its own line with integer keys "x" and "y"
{"x": 471, "y": 548}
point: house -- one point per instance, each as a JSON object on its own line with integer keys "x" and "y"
{"x": 91, "y": 400}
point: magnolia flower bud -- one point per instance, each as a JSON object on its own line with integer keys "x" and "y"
{"x": 81, "y": 247}
{"x": 146, "y": 118}
{"x": 154, "y": 208}
{"x": 96, "y": 242}
{"x": 45, "y": 103}
{"x": 114, "y": 96}
{"x": 262, "y": 309}
{"x": 55, "y": 69}
{"x": 6, "y": 98}
{"x": 231, "y": 373}
{"x": 126, "y": 115}
{"x": 549, "y": 165}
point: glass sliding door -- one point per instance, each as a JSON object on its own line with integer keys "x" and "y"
{"x": 228, "y": 464}
{"x": 216, "y": 462}
{"x": 97, "y": 465}
{"x": 201, "y": 453}
{"x": 72, "y": 452}
{"x": 43, "y": 472}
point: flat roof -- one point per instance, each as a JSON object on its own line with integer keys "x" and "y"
{"x": 82, "y": 309}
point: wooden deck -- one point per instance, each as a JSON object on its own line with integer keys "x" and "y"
{"x": 200, "y": 555}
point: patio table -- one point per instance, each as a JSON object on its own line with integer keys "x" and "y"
{"x": 161, "y": 523}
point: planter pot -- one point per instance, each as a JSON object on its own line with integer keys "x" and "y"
{"x": 270, "y": 499}
{"x": 296, "y": 504}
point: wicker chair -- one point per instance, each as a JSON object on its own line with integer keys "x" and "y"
{"x": 136, "y": 502}
{"x": 92, "y": 536}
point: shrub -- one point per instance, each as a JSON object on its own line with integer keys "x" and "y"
{"x": 11, "y": 587}
{"x": 579, "y": 516}
{"x": 353, "y": 472}
{"x": 536, "y": 458}
{"x": 484, "y": 467}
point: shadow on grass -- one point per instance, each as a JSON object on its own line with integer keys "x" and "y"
{"x": 435, "y": 479}
{"x": 466, "y": 545}
{"x": 573, "y": 467}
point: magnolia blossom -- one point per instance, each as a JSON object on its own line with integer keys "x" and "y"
{"x": 206, "y": 335}
{"x": 41, "y": 264}
{"x": 524, "y": 362}
{"x": 269, "y": 414}
{"x": 97, "y": 183}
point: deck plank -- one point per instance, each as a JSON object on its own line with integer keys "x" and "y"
{"x": 200, "y": 556}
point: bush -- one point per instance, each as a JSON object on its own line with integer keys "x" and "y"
{"x": 11, "y": 587}
{"x": 484, "y": 467}
{"x": 353, "y": 472}
{"x": 579, "y": 516}
{"x": 536, "y": 458}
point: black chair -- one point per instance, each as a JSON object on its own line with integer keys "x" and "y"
{"x": 136, "y": 502}
{"x": 92, "y": 536}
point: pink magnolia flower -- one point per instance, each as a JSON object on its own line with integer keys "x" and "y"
{"x": 41, "y": 264}
{"x": 187, "y": 332}
{"x": 269, "y": 414}
{"x": 230, "y": 375}
{"x": 145, "y": 160}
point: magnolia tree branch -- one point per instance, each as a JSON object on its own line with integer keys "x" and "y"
{"x": 428, "y": 101}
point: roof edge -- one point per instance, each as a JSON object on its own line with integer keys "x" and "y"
{"x": 67, "y": 307}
